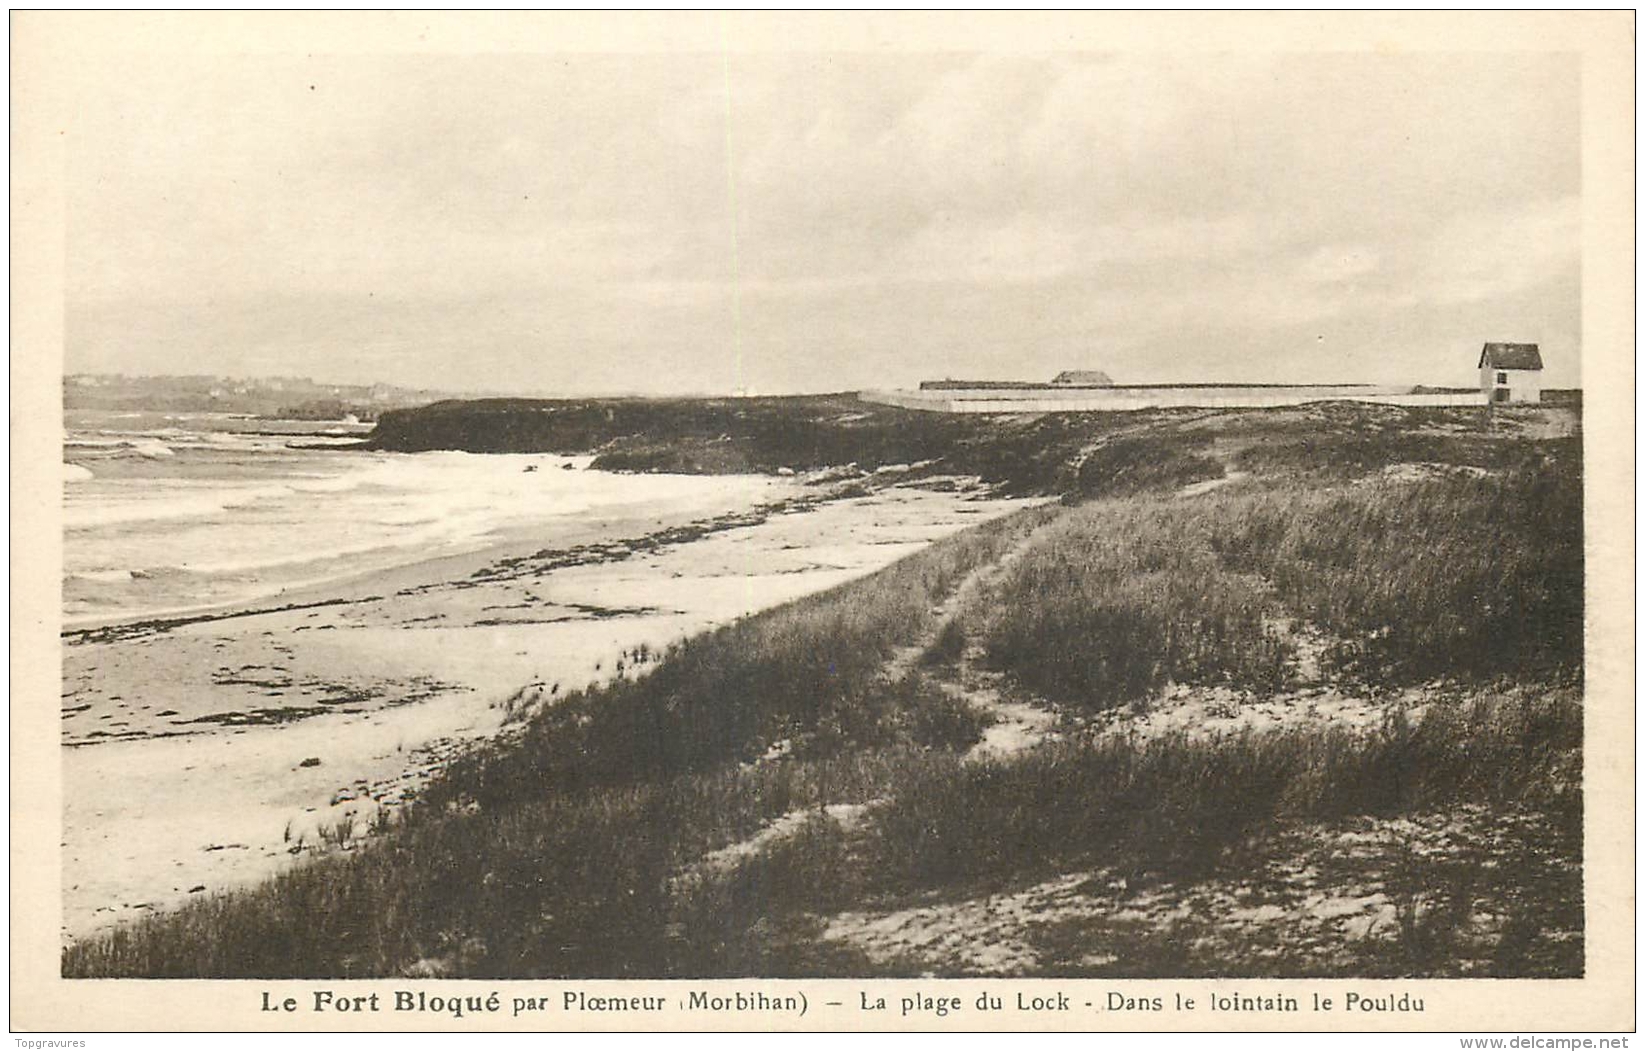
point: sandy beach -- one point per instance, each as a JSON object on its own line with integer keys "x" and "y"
{"x": 206, "y": 753}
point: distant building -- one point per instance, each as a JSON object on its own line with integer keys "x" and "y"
{"x": 1083, "y": 378}
{"x": 1511, "y": 372}
{"x": 1508, "y": 373}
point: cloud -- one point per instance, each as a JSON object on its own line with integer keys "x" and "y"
{"x": 949, "y": 205}
{"x": 1493, "y": 253}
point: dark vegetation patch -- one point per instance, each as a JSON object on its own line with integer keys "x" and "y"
{"x": 322, "y": 696}
{"x": 267, "y": 717}
{"x": 1334, "y": 455}
{"x": 697, "y": 435}
{"x": 155, "y": 626}
{"x": 547, "y": 560}
{"x": 250, "y": 676}
{"x": 580, "y": 612}
{"x": 1019, "y": 454}
{"x": 1130, "y": 465}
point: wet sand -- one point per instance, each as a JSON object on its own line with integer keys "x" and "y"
{"x": 208, "y": 752}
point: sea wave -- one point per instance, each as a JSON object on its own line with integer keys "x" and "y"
{"x": 208, "y": 526}
{"x": 99, "y": 577}
{"x": 442, "y": 536}
{"x": 93, "y": 514}
{"x": 151, "y": 448}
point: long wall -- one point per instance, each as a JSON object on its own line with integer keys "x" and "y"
{"x": 1112, "y": 399}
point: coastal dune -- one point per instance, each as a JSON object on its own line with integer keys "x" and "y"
{"x": 208, "y": 752}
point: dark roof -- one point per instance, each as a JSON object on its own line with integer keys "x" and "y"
{"x": 1084, "y": 378}
{"x": 1510, "y": 356}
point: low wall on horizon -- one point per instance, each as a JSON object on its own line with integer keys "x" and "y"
{"x": 1121, "y": 399}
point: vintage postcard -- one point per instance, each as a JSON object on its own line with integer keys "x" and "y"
{"x": 822, "y": 522}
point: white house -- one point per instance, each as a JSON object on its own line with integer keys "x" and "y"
{"x": 1511, "y": 372}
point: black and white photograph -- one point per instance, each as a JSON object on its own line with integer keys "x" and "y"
{"x": 773, "y": 505}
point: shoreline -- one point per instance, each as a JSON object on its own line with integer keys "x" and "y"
{"x": 514, "y": 542}
{"x": 230, "y": 745}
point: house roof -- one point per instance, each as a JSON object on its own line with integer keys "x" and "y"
{"x": 1084, "y": 378}
{"x": 1510, "y": 356}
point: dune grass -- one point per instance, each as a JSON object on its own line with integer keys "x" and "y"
{"x": 1356, "y": 447}
{"x": 1463, "y": 577}
{"x": 1167, "y": 808}
{"x": 1466, "y": 578}
{"x": 1165, "y": 813}
{"x": 1122, "y": 596}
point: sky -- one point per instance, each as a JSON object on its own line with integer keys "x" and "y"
{"x": 704, "y": 223}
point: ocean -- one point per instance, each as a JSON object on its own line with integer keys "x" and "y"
{"x": 165, "y": 514}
